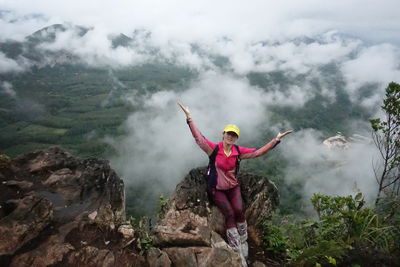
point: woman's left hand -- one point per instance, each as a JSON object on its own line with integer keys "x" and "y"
{"x": 281, "y": 135}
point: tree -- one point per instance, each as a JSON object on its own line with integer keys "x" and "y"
{"x": 386, "y": 136}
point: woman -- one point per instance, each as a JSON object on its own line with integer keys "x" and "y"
{"x": 222, "y": 182}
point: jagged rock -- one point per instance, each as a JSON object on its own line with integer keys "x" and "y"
{"x": 258, "y": 264}
{"x": 92, "y": 256}
{"x": 46, "y": 255}
{"x": 126, "y": 230}
{"x": 24, "y": 185}
{"x": 157, "y": 258}
{"x": 72, "y": 185}
{"x": 338, "y": 141}
{"x": 202, "y": 257}
{"x": 31, "y": 216}
{"x": 189, "y": 213}
{"x": 56, "y": 209}
{"x": 190, "y": 226}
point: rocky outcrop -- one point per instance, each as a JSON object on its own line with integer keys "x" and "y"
{"x": 58, "y": 209}
{"x": 338, "y": 141}
{"x": 32, "y": 214}
{"x": 191, "y": 230}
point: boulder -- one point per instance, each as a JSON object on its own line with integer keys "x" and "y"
{"x": 56, "y": 209}
{"x": 191, "y": 228}
{"x": 202, "y": 257}
{"x": 157, "y": 258}
{"x": 32, "y": 214}
{"x": 59, "y": 210}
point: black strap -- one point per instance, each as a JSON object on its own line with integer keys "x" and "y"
{"x": 237, "y": 161}
{"x": 213, "y": 156}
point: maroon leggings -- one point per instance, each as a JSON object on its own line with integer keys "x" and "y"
{"x": 231, "y": 205}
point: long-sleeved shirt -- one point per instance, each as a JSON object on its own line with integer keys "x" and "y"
{"x": 226, "y": 165}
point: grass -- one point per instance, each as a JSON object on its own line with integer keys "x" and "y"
{"x": 34, "y": 130}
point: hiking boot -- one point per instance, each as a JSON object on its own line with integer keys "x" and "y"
{"x": 242, "y": 230}
{"x": 234, "y": 242}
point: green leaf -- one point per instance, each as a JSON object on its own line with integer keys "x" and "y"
{"x": 331, "y": 260}
{"x": 358, "y": 196}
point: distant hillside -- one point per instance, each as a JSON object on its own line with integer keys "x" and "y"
{"x": 62, "y": 100}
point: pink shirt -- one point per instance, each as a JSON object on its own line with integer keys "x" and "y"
{"x": 226, "y": 165}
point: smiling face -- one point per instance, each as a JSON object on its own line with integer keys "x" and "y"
{"x": 229, "y": 137}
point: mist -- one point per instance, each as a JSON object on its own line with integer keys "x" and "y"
{"x": 160, "y": 147}
{"x": 358, "y": 38}
{"x": 330, "y": 171}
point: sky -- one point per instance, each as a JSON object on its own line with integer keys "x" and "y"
{"x": 362, "y": 37}
{"x": 205, "y": 20}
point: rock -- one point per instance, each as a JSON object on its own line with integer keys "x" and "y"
{"x": 126, "y": 230}
{"x": 203, "y": 256}
{"x": 157, "y": 258}
{"x": 191, "y": 229}
{"x": 56, "y": 209}
{"x": 189, "y": 218}
{"x": 92, "y": 216}
{"x": 20, "y": 184}
{"x": 338, "y": 141}
{"x": 217, "y": 241}
{"x": 72, "y": 184}
{"x": 45, "y": 255}
{"x": 92, "y": 256}
{"x": 31, "y": 216}
{"x": 258, "y": 264}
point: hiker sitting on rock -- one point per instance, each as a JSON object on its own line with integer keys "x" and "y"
{"x": 222, "y": 183}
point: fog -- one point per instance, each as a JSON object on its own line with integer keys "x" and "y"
{"x": 359, "y": 38}
{"x": 160, "y": 146}
{"x": 330, "y": 171}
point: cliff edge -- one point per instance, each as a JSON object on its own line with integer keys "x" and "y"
{"x": 56, "y": 209}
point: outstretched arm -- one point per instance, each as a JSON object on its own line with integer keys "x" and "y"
{"x": 267, "y": 147}
{"x": 203, "y": 143}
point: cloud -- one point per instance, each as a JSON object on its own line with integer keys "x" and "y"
{"x": 299, "y": 56}
{"x": 10, "y": 65}
{"x": 194, "y": 21}
{"x": 176, "y": 24}
{"x": 333, "y": 172}
{"x": 214, "y": 100}
{"x": 374, "y": 64}
{"x": 16, "y": 26}
{"x": 159, "y": 149}
{"x": 259, "y": 36}
{"x": 8, "y": 89}
{"x": 294, "y": 38}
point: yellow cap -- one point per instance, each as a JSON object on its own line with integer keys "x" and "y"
{"x": 232, "y": 128}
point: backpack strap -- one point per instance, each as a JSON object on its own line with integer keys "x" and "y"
{"x": 237, "y": 160}
{"x": 213, "y": 155}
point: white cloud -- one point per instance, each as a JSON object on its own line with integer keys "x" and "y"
{"x": 375, "y": 64}
{"x": 9, "y": 65}
{"x": 332, "y": 172}
{"x": 194, "y": 21}
{"x": 8, "y": 89}
{"x": 16, "y": 26}
{"x": 295, "y": 37}
{"x": 160, "y": 146}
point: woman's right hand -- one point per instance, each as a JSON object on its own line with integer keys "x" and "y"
{"x": 185, "y": 109}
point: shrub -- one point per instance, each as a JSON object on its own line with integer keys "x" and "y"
{"x": 344, "y": 224}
